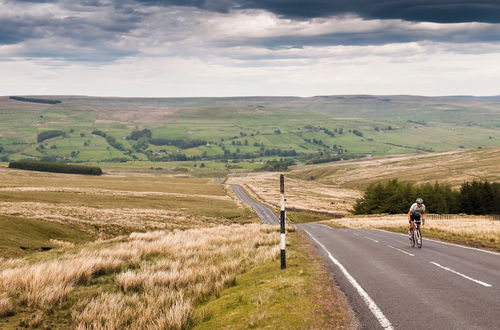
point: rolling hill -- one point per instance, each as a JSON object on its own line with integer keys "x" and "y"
{"x": 315, "y": 129}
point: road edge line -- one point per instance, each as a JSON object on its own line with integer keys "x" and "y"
{"x": 395, "y": 248}
{"x": 460, "y": 274}
{"x": 376, "y": 311}
{"x": 446, "y": 243}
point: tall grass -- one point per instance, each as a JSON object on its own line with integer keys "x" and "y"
{"x": 110, "y": 221}
{"x": 6, "y": 308}
{"x": 159, "y": 276}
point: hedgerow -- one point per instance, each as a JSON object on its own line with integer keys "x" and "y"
{"x": 48, "y": 135}
{"x": 55, "y": 167}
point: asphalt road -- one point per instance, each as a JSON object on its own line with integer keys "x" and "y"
{"x": 218, "y": 180}
{"x": 264, "y": 212}
{"x": 393, "y": 286}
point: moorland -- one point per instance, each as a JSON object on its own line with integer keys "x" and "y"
{"x": 156, "y": 242}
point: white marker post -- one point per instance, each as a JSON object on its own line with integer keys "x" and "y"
{"x": 282, "y": 221}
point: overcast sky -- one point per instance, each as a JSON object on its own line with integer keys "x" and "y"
{"x": 249, "y": 47}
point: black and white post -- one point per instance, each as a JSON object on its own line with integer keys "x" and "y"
{"x": 282, "y": 221}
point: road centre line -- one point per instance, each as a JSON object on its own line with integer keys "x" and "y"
{"x": 432, "y": 240}
{"x": 371, "y": 239}
{"x": 460, "y": 274}
{"x": 384, "y": 322}
{"x": 392, "y": 247}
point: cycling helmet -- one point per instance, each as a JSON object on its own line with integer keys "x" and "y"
{"x": 419, "y": 200}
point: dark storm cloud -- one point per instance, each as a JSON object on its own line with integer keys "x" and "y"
{"x": 390, "y": 34}
{"x": 439, "y": 11}
{"x": 83, "y": 31}
{"x": 100, "y": 30}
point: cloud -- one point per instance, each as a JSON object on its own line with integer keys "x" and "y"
{"x": 442, "y": 11}
{"x": 235, "y": 45}
{"x": 67, "y": 30}
{"x": 107, "y": 30}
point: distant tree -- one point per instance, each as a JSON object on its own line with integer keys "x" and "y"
{"x": 480, "y": 197}
{"x": 138, "y": 134}
{"x": 278, "y": 165}
{"x": 48, "y": 135}
{"x": 356, "y": 132}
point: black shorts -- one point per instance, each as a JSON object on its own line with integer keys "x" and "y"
{"x": 415, "y": 217}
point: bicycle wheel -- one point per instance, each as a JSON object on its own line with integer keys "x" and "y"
{"x": 412, "y": 240}
{"x": 418, "y": 237}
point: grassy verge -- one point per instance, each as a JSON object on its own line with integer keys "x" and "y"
{"x": 305, "y": 217}
{"x": 266, "y": 297}
{"x": 21, "y": 236}
{"x": 226, "y": 277}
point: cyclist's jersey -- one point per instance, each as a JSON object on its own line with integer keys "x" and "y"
{"x": 415, "y": 208}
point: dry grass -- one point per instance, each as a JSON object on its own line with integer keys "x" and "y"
{"x": 334, "y": 187}
{"x": 452, "y": 167}
{"x": 159, "y": 275}
{"x": 59, "y": 243}
{"x": 108, "y": 192}
{"x": 6, "y": 308}
{"x": 300, "y": 194}
{"x": 118, "y": 184}
{"x": 44, "y": 284}
{"x": 109, "y": 222}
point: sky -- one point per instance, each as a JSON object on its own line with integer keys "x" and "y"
{"x": 216, "y": 48}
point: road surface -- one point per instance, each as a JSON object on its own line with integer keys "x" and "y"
{"x": 264, "y": 212}
{"x": 218, "y": 180}
{"x": 391, "y": 285}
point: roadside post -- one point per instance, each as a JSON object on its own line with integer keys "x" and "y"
{"x": 282, "y": 221}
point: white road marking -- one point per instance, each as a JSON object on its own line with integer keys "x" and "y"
{"x": 384, "y": 322}
{"x": 460, "y": 274}
{"x": 427, "y": 239}
{"x": 392, "y": 247}
{"x": 371, "y": 239}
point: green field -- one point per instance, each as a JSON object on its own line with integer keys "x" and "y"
{"x": 246, "y": 128}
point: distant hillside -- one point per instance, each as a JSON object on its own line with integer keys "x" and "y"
{"x": 310, "y": 130}
{"x": 454, "y": 167}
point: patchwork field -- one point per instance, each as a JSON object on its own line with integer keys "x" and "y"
{"x": 254, "y": 129}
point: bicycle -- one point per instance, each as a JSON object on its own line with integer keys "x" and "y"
{"x": 416, "y": 235}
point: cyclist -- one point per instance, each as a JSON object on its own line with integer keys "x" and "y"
{"x": 416, "y": 213}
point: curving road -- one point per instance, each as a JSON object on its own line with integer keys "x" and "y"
{"x": 264, "y": 212}
{"x": 393, "y": 286}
